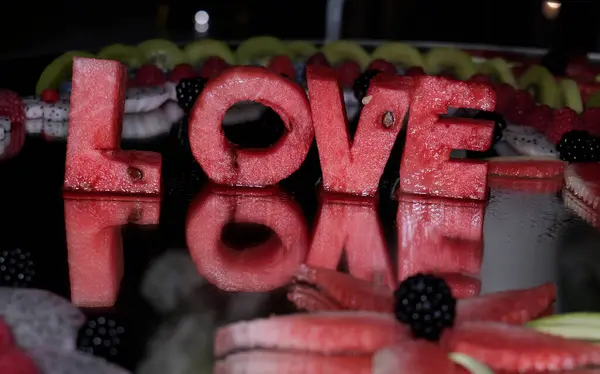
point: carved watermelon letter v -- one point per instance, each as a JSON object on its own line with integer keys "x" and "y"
{"x": 95, "y": 163}
{"x": 222, "y": 161}
{"x": 426, "y": 166}
{"x": 355, "y": 167}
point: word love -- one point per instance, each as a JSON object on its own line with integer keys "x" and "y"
{"x": 96, "y": 164}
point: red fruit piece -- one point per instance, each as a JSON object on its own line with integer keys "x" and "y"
{"x": 481, "y": 78}
{"x": 149, "y": 75}
{"x": 182, "y": 71}
{"x": 317, "y": 59}
{"x": 513, "y": 307}
{"x": 583, "y": 180}
{"x": 11, "y": 106}
{"x": 514, "y": 348}
{"x": 540, "y": 117}
{"x": 94, "y": 246}
{"x": 94, "y": 161}
{"x": 283, "y": 65}
{"x": 563, "y": 121}
{"x": 417, "y": 357}
{"x": 347, "y": 72}
{"x": 6, "y": 339}
{"x": 325, "y": 333}
{"x": 590, "y": 120}
{"x": 505, "y": 95}
{"x": 383, "y": 66}
{"x": 212, "y": 67}
{"x": 292, "y": 362}
{"x": 15, "y": 361}
{"x": 355, "y": 167}
{"x": 50, "y": 95}
{"x": 587, "y": 89}
{"x": 358, "y": 231}
{"x": 264, "y": 267}
{"x": 541, "y": 186}
{"x": 225, "y": 164}
{"x": 426, "y": 166}
{"x": 414, "y": 71}
{"x": 526, "y": 167}
{"x": 521, "y": 105}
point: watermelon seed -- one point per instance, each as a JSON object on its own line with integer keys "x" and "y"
{"x": 388, "y": 120}
{"x": 135, "y": 173}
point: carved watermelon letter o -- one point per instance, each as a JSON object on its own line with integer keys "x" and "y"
{"x": 220, "y": 159}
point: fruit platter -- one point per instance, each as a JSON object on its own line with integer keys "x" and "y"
{"x": 276, "y": 206}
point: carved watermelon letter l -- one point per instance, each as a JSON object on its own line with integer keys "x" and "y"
{"x": 95, "y": 163}
{"x": 222, "y": 161}
{"x": 426, "y": 166}
{"x": 355, "y": 167}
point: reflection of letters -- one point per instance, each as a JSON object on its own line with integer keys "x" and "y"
{"x": 95, "y": 248}
{"x": 262, "y": 267}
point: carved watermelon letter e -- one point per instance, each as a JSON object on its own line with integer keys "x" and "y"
{"x": 95, "y": 163}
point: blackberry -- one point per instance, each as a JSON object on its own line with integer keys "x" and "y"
{"x": 101, "y": 336}
{"x": 187, "y": 91}
{"x": 579, "y": 146}
{"x": 425, "y": 303}
{"x": 499, "y": 123}
{"x": 361, "y": 84}
{"x": 16, "y": 268}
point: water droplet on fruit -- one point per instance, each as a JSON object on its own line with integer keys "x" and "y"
{"x": 135, "y": 173}
{"x": 388, "y": 120}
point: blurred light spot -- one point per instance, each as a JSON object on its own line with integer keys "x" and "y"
{"x": 201, "y": 17}
{"x": 201, "y": 28}
{"x": 551, "y": 8}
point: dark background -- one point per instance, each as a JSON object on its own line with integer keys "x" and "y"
{"x": 50, "y": 27}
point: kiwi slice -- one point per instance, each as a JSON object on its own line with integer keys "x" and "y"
{"x": 546, "y": 89}
{"x": 399, "y": 54}
{"x": 593, "y": 101}
{"x": 260, "y": 48}
{"x": 500, "y": 69}
{"x": 444, "y": 57}
{"x": 202, "y": 49}
{"x": 127, "y": 54}
{"x": 58, "y": 71}
{"x": 162, "y": 53}
{"x": 582, "y": 325}
{"x": 301, "y": 49}
{"x": 575, "y": 318}
{"x": 469, "y": 363}
{"x": 570, "y": 95}
{"x": 340, "y": 50}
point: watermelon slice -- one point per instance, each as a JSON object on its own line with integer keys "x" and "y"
{"x": 526, "y": 167}
{"x": 356, "y": 228}
{"x": 583, "y": 180}
{"x": 263, "y": 267}
{"x": 15, "y": 361}
{"x": 268, "y": 362}
{"x": 417, "y": 357}
{"x": 225, "y": 164}
{"x": 426, "y": 168}
{"x": 539, "y": 186}
{"x": 95, "y": 248}
{"x": 355, "y": 166}
{"x": 94, "y": 161}
{"x": 518, "y": 349}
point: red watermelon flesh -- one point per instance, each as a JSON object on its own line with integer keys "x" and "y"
{"x": 414, "y": 357}
{"x": 526, "y": 167}
{"x": 264, "y": 267}
{"x": 426, "y": 167}
{"x": 269, "y": 362}
{"x": 94, "y": 161}
{"x": 357, "y": 229}
{"x": 514, "y": 348}
{"x": 355, "y": 167}
{"x": 225, "y": 164}
{"x": 583, "y": 180}
{"x": 543, "y": 185}
{"x": 94, "y": 246}
{"x": 15, "y": 361}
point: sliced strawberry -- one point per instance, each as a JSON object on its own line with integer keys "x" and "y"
{"x": 540, "y": 117}
{"x": 414, "y": 71}
{"x": 505, "y": 95}
{"x": 284, "y": 65}
{"x": 563, "y": 121}
{"x": 182, "y": 71}
{"x": 212, "y": 67}
{"x": 11, "y": 106}
{"x": 590, "y": 120}
{"x": 317, "y": 59}
{"x": 50, "y": 95}
{"x": 383, "y": 66}
{"x": 521, "y": 106}
{"x": 149, "y": 75}
{"x": 347, "y": 73}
